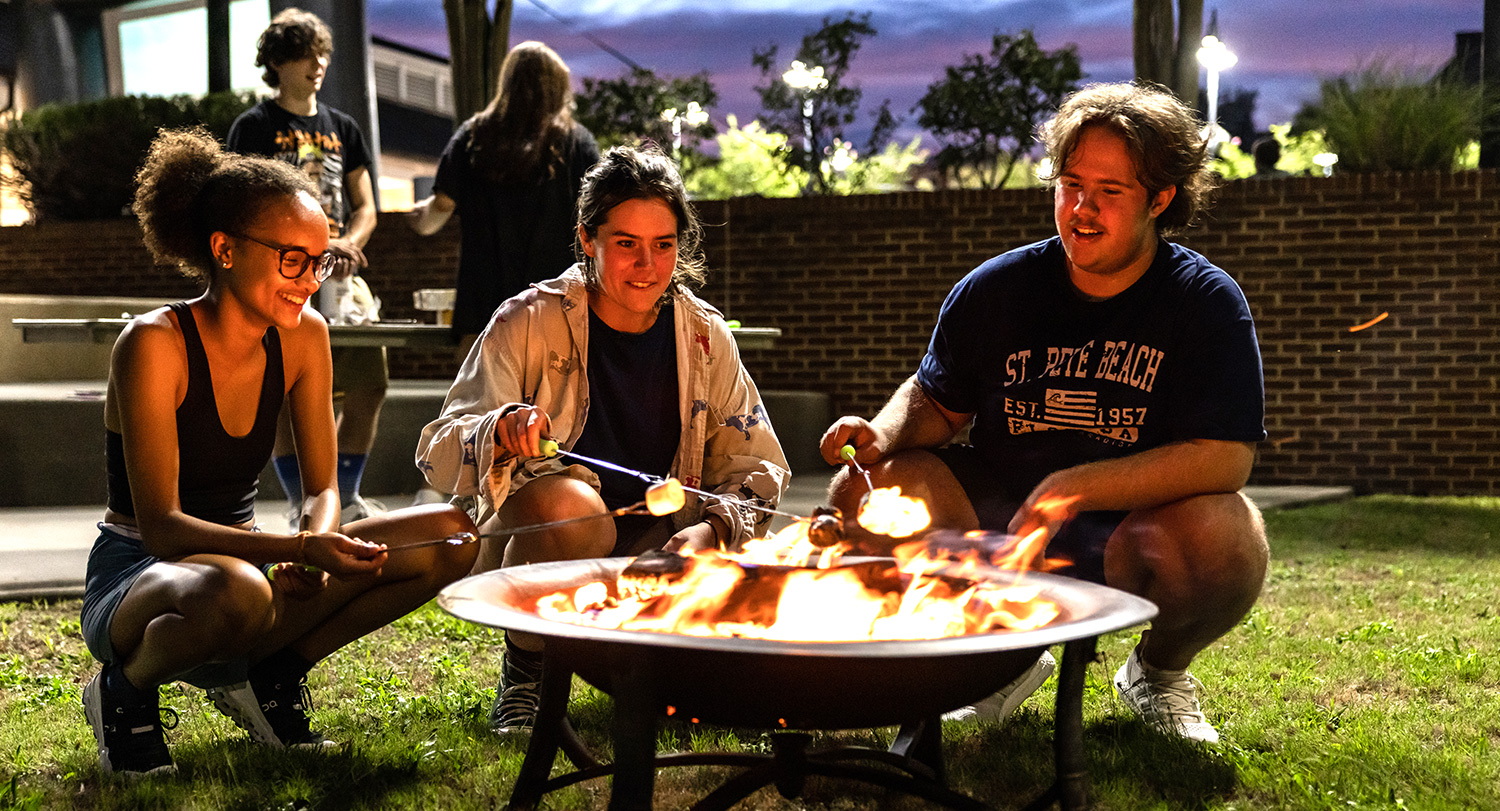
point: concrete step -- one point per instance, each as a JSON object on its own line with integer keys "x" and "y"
{"x": 52, "y": 439}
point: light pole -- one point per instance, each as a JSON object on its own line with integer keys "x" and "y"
{"x": 842, "y": 156}
{"x": 695, "y": 116}
{"x": 809, "y": 80}
{"x": 1214, "y": 56}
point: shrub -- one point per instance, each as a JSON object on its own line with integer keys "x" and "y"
{"x": 1382, "y": 119}
{"x": 78, "y": 161}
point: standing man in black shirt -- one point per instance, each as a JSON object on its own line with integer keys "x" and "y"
{"x": 292, "y": 126}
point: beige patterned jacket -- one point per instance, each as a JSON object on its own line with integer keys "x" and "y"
{"x": 535, "y": 350}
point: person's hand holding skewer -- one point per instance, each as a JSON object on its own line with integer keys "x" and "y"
{"x": 297, "y": 580}
{"x": 520, "y": 430}
{"x": 339, "y": 555}
{"x": 852, "y": 432}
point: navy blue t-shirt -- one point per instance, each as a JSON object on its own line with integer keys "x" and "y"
{"x": 1055, "y": 380}
{"x": 633, "y": 417}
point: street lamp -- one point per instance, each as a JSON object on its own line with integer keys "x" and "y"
{"x": 841, "y": 156}
{"x": 1214, "y": 56}
{"x": 695, "y": 116}
{"x": 809, "y": 80}
{"x": 1326, "y": 160}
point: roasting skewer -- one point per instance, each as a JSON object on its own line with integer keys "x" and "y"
{"x": 847, "y": 454}
{"x": 664, "y": 496}
{"x": 550, "y": 448}
{"x": 660, "y": 500}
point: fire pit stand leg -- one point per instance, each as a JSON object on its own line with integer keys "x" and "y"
{"x": 548, "y": 731}
{"x": 1070, "y": 789}
{"x": 634, "y": 735}
{"x": 922, "y": 742}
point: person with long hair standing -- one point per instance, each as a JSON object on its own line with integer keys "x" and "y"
{"x": 513, "y": 173}
{"x": 181, "y": 585}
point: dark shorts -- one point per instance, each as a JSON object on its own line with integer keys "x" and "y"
{"x": 1081, "y": 540}
{"x": 359, "y": 368}
{"x": 635, "y": 534}
{"x": 115, "y": 563}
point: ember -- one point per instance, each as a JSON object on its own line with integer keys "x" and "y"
{"x": 789, "y": 588}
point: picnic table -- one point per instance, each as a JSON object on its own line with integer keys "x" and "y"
{"x": 384, "y": 333}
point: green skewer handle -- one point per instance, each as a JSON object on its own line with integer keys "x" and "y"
{"x": 847, "y": 453}
{"x": 549, "y": 447}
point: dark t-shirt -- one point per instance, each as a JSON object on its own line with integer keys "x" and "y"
{"x": 510, "y": 235}
{"x": 633, "y": 418}
{"x": 1056, "y": 380}
{"x": 327, "y": 145}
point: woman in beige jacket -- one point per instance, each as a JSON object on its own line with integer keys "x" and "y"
{"x": 617, "y": 360}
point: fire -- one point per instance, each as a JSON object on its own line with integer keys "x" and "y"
{"x": 887, "y": 512}
{"x": 786, "y": 588}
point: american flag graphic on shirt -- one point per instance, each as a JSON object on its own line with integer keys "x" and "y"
{"x": 1066, "y": 410}
{"x": 1071, "y": 407}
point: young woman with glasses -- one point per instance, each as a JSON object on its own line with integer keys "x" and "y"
{"x": 180, "y": 584}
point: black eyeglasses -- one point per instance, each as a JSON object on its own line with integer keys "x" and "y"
{"x": 293, "y": 262}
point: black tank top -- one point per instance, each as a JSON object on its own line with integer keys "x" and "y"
{"x": 217, "y": 473}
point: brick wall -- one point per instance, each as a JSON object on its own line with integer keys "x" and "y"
{"x": 1406, "y": 406}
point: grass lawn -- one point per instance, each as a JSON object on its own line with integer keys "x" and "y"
{"x": 1367, "y": 677}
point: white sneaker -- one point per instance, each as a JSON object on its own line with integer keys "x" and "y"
{"x": 360, "y": 508}
{"x": 1166, "y": 699}
{"x": 429, "y": 495}
{"x": 1005, "y": 700}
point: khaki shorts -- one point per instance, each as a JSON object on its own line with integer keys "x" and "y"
{"x": 359, "y": 368}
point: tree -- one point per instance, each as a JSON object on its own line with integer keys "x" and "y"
{"x": 1166, "y": 49}
{"x": 813, "y": 119}
{"x": 749, "y": 164}
{"x": 477, "y": 44}
{"x": 630, "y": 108}
{"x": 986, "y": 111}
{"x": 1298, "y": 153}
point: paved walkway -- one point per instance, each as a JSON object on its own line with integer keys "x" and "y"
{"x": 43, "y": 550}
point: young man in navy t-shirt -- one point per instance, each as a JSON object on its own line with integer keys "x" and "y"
{"x": 1113, "y": 384}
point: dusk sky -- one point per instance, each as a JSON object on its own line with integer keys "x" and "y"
{"x": 1284, "y": 46}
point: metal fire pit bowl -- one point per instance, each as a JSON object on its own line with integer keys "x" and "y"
{"x": 783, "y": 686}
{"x": 798, "y": 685}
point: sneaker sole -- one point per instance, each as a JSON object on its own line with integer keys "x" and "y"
{"x": 1206, "y": 734}
{"x": 512, "y": 732}
{"x": 233, "y": 701}
{"x": 1027, "y": 683}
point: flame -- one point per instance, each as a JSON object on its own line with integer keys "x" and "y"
{"x": 786, "y": 588}
{"x": 886, "y": 512}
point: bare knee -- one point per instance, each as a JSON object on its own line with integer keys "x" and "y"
{"x": 1209, "y": 547}
{"x": 551, "y": 499}
{"x": 232, "y": 601}
{"x": 449, "y": 562}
